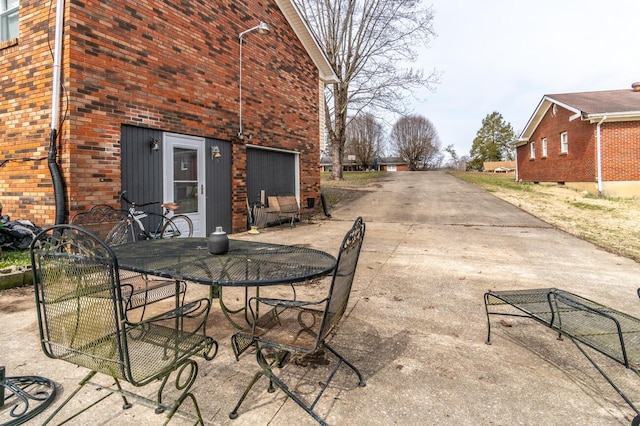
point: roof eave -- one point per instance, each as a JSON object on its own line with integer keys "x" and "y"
{"x": 613, "y": 116}
{"x": 519, "y": 142}
{"x": 311, "y": 45}
{"x": 538, "y": 115}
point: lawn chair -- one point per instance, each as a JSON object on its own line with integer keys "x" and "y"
{"x": 112, "y": 226}
{"x": 295, "y": 326}
{"x": 82, "y": 320}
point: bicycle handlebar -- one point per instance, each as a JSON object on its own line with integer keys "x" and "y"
{"x": 133, "y": 203}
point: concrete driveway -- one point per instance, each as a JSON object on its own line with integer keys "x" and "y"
{"x": 416, "y": 325}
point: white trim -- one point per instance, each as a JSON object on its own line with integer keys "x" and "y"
{"x": 169, "y": 141}
{"x": 599, "y": 153}
{"x": 564, "y": 142}
{"x": 267, "y": 148}
{"x": 532, "y": 150}
{"x": 614, "y": 116}
{"x": 575, "y": 116}
{"x": 539, "y": 113}
{"x": 57, "y": 61}
{"x": 306, "y": 37}
{"x": 563, "y": 105}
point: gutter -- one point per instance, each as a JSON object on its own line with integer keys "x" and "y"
{"x": 599, "y": 152}
{"x": 54, "y": 169}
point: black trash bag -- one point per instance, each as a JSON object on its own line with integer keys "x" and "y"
{"x": 17, "y": 234}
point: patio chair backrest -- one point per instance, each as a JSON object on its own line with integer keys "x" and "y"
{"x": 78, "y": 299}
{"x": 342, "y": 280}
{"x": 105, "y": 222}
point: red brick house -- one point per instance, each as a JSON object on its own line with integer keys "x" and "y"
{"x": 589, "y": 141}
{"x": 154, "y": 101}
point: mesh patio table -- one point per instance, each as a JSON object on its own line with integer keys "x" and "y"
{"x": 246, "y": 264}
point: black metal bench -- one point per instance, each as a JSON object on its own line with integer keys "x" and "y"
{"x": 111, "y": 226}
{"x": 587, "y": 323}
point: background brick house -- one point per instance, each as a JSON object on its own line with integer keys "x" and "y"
{"x": 589, "y": 141}
{"x": 161, "y": 74}
{"x": 349, "y": 164}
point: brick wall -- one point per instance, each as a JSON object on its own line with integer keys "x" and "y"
{"x": 165, "y": 65}
{"x": 577, "y": 165}
{"x": 620, "y": 147}
{"x": 25, "y": 99}
{"x": 620, "y": 151}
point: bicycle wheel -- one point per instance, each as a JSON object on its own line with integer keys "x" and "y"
{"x": 120, "y": 234}
{"x": 178, "y": 226}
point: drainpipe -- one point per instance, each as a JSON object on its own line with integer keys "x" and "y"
{"x": 599, "y": 153}
{"x": 54, "y": 169}
{"x": 516, "y": 158}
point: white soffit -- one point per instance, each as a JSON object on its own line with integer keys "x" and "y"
{"x": 539, "y": 113}
{"x": 302, "y": 30}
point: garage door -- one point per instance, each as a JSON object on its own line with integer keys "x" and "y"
{"x": 271, "y": 171}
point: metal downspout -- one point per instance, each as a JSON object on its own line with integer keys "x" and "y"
{"x": 54, "y": 169}
{"x": 599, "y": 153}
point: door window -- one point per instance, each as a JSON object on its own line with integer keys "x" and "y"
{"x": 185, "y": 179}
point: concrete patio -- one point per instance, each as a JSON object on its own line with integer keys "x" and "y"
{"x": 416, "y": 325}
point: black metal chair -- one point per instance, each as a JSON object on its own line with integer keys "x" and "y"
{"x": 112, "y": 227}
{"x": 301, "y": 326}
{"x": 82, "y": 320}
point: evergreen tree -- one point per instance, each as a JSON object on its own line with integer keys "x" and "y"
{"x": 492, "y": 142}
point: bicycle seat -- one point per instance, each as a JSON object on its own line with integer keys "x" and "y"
{"x": 170, "y": 206}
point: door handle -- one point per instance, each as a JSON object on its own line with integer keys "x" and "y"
{"x": 201, "y": 189}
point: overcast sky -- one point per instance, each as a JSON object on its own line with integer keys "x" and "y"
{"x": 505, "y": 55}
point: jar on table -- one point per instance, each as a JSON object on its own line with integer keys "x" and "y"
{"x": 218, "y": 241}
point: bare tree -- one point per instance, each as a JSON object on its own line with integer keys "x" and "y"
{"x": 367, "y": 43}
{"x": 364, "y": 139}
{"x": 456, "y": 162}
{"x": 416, "y": 141}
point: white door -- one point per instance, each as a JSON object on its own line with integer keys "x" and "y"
{"x": 184, "y": 175}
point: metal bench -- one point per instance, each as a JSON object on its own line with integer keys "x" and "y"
{"x": 111, "y": 226}
{"x": 588, "y": 324}
{"x": 284, "y": 207}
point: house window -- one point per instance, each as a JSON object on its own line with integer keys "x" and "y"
{"x": 564, "y": 143}
{"x": 532, "y": 146}
{"x": 544, "y": 147}
{"x": 8, "y": 19}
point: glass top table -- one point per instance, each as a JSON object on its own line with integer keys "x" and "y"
{"x": 247, "y": 263}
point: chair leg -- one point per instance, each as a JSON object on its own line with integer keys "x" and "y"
{"x": 361, "y": 381}
{"x": 267, "y": 370}
{"x": 186, "y": 376}
{"x": 127, "y": 404}
{"x": 83, "y": 382}
{"x": 234, "y": 414}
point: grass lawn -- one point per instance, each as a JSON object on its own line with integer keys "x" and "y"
{"x": 14, "y": 258}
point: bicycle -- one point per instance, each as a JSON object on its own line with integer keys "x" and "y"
{"x": 168, "y": 225}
